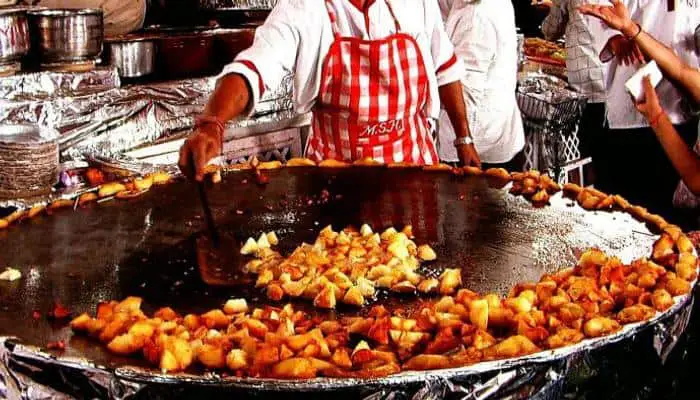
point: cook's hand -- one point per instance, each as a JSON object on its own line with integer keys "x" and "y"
{"x": 650, "y": 106}
{"x": 626, "y": 51}
{"x": 616, "y": 16}
{"x": 203, "y": 145}
{"x": 468, "y": 156}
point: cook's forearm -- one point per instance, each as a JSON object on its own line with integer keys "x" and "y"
{"x": 684, "y": 160}
{"x": 452, "y": 101}
{"x": 230, "y": 98}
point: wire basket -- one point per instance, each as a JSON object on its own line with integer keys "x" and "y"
{"x": 551, "y": 122}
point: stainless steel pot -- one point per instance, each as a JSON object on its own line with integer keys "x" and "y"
{"x": 133, "y": 58}
{"x": 14, "y": 35}
{"x": 66, "y": 35}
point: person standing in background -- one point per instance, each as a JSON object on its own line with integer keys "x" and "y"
{"x": 484, "y": 36}
{"x": 628, "y": 158}
{"x": 120, "y": 16}
{"x": 585, "y": 71}
{"x": 685, "y": 160}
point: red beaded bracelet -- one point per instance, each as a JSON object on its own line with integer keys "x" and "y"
{"x": 655, "y": 121}
{"x": 209, "y": 119}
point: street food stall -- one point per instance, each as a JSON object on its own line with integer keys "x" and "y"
{"x": 360, "y": 280}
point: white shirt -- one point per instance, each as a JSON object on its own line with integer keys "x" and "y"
{"x": 585, "y": 71}
{"x": 485, "y": 39}
{"x": 675, "y": 29}
{"x": 297, "y": 35}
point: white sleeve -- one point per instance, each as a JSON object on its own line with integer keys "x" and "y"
{"x": 477, "y": 45}
{"x": 448, "y": 68}
{"x": 274, "y": 50}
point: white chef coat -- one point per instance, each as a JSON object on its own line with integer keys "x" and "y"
{"x": 120, "y": 16}
{"x": 675, "y": 29}
{"x": 297, "y": 35}
{"x": 485, "y": 39}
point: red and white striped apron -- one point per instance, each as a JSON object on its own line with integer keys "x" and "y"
{"x": 372, "y": 101}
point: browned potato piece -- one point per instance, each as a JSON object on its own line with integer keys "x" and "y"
{"x": 513, "y": 346}
{"x": 294, "y": 368}
{"x": 677, "y": 286}
{"x": 300, "y": 162}
{"x": 564, "y": 337}
{"x": 572, "y": 190}
{"x": 541, "y": 197}
{"x": 635, "y": 313}
{"x": 236, "y": 359}
{"x": 470, "y": 170}
{"x": 685, "y": 246}
{"x": 333, "y": 164}
{"x": 110, "y": 189}
{"x": 341, "y": 358}
{"x": 211, "y": 356}
{"x": 266, "y": 165}
{"x": 367, "y": 162}
{"x": 424, "y": 362}
{"x": 600, "y": 326}
{"x": 215, "y": 319}
{"x": 662, "y": 300}
{"x": 450, "y": 280}
{"x": 437, "y": 167}
{"x": 499, "y": 173}
{"x": 159, "y": 178}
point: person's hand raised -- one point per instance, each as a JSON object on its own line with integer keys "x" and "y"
{"x": 616, "y": 16}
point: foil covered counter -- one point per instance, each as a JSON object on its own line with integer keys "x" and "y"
{"x": 499, "y": 239}
{"x": 96, "y": 115}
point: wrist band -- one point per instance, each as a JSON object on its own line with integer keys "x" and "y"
{"x": 464, "y": 140}
{"x": 655, "y": 121}
{"x": 209, "y": 119}
{"x": 639, "y": 31}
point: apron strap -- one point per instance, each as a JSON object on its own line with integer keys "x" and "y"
{"x": 391, "y": 11}
{"x": 332, "y": 18}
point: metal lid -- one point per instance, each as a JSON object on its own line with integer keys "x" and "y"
{"x": 65, "y": 12}
{"x": 13, "y": 10}
{"x": 26, "y": 134}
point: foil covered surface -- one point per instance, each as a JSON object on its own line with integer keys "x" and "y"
{"x": 29, "y": 373}
{"x": 95, "y": 115}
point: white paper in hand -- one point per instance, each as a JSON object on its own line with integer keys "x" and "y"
{"x": 635, "y": 85}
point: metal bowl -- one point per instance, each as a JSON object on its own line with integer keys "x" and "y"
{"x": 14, "y": 35}
{"x": 60, "y": 35}
{"x": 134, "y": 58}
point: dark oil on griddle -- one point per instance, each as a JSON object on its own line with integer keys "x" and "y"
{"x": 148, "y": 246}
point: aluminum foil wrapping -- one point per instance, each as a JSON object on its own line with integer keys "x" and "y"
{"x": 107, "y": 120}
{"x": 541, "y": 96}
{"x": 623, "y": 365}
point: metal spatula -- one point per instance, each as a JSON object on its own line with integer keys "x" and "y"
{"x": 218, "y": 256}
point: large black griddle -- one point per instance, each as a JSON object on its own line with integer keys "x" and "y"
{"x": 146, "y": 246}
